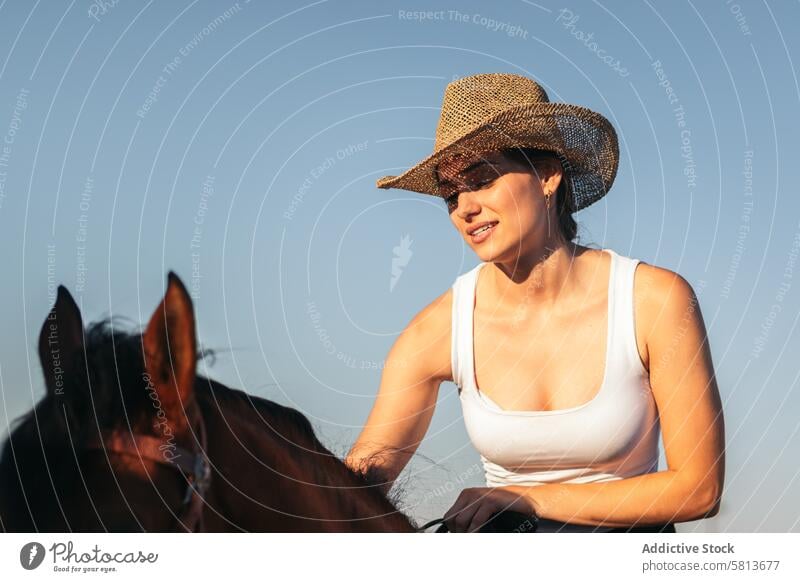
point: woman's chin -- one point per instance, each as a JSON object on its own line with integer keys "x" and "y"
{"x": 488, "y": 252}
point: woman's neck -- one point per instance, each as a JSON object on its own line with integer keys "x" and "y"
{"x": 539, "y": 276}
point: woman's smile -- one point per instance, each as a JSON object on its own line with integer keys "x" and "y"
{"x": 482, "y": 232}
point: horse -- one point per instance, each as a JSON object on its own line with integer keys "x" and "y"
{"x": 129, "y": 437}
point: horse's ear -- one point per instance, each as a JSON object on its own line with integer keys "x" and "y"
{"x": 170, "y": 352}
{"x": 60, "y": 341}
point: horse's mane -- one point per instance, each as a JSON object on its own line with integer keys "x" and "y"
{"x": 292, "y": 431}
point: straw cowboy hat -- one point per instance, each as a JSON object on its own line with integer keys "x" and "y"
{"x": 496, "y": 111}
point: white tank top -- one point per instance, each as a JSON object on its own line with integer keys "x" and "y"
{"x": 613, "y": 436}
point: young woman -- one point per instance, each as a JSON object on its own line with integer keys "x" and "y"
{"x": 571, "y": 362}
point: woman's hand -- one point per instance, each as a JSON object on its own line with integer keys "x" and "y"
{"x": 476, "y": 505}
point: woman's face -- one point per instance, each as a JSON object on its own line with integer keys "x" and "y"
{"x": 505, "y": 196}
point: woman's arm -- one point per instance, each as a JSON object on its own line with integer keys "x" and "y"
{"x": 417, "y": 364}
{"x": 686, "y": 393}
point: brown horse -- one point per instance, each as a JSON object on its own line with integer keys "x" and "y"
{"x": 129, "y": 438}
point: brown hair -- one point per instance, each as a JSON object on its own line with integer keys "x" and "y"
{"x": 565, "y": 205}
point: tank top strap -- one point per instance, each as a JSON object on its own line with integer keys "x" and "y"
{"x": 461, "y": 325}
{"x": 624, "y": 324}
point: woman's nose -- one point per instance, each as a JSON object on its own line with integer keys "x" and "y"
{"x": 467, "y": 204}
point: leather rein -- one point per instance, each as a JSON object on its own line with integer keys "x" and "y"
{"x": 501, "y": 522}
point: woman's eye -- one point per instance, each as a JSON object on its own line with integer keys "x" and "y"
{"x": 481, "y": 178}
{"x": 478, "y": 184}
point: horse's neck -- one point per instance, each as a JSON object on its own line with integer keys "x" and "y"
{"x": 269, "y": 479}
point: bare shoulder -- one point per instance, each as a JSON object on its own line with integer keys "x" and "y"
{"x": 663, "y": 302}
{"x": 426, "y": 338}
{"x": 437, "y": 313}
{"x": 659, "y": 287}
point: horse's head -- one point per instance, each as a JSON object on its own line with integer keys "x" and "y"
{"x": 116, "y": 441}
{"x": 74, "y": 462}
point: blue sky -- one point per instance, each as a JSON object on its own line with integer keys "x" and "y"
{"x": 239, "y": 143}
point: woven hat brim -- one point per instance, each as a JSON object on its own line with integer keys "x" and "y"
{"x": 582, "y": 138}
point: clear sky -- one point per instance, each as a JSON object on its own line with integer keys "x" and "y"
{"x": 239, "y": 143}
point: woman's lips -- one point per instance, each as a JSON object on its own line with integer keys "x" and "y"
{"x": 484, "y": 234}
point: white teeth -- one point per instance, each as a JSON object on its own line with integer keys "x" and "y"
{"x": 481, "y": 229}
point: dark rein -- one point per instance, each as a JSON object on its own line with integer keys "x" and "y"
{"x": 193, "y": 465}
{"x": 502, "y": 522}
{"x": 514, "y": 522}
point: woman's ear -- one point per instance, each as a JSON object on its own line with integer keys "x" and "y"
{"x": 550, "y": 174}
